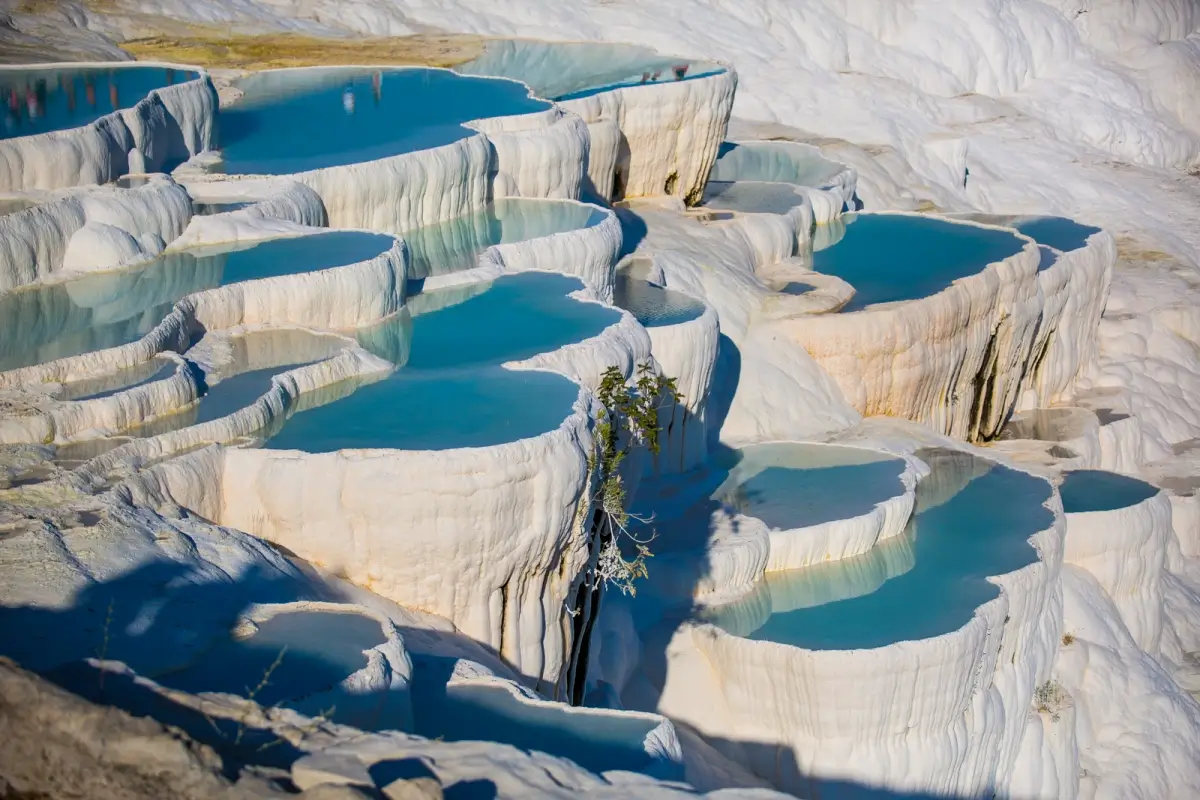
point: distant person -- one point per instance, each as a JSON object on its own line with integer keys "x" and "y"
{"x": 377, "y": 86}
{"x": 112, "y": 93}
{"x": 645, "y": 77}
{"x": 170, "y": 76}
{"x": 89, "y": 91}
{"x": 680, "y": 70}
{"x": 348, "y": 100}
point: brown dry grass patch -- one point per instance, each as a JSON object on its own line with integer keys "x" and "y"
{"x": 274, "y": 50}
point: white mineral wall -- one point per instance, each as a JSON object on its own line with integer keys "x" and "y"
{"x": 59, "y": 422}
{"x": 954, "y": 361}
{"x": 604, "y": 151}
{"x": 537, "y": 160}
{"x": 278, "y": 205}
{"x": 670, "y": 133}
{"x": 830, "y": 186}
{"x": 1074, "y": 291}
{"x": 346, "y": 296}
{"x": 687, "y": 353}
{"x": 944, "y": 715}
{"x": 33, "y": 242}
{"x": 797, "y": 548}
{"x": 1138, "y": 732}
{"x": 1125, "y": 549}
{"x": 490, "y": 538}
{"x": 589, "y": 253}
{"x": 170, "y": 122}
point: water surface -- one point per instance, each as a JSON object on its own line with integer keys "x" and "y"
{"x": 652, "y": 305}
{"x": 43, "y": 322}
{"x": 294, "y": 121}
{"x": 778, "y": 162}
{"x": 1096, "y": 490}
{"x": 973, "y": 520}
{"x": 893, "y": 257}
{"x": 45, "y": 100}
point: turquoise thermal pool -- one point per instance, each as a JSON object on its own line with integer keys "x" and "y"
{"x": 751, "y": 197}
{"x": 120, "y": 381}
{"x": 455, "y": 245}
{"x": 654, "y": 306}
{"x": 1057, "y": 232}
{"x": 572, "y": 70}
{"x": 1095, "y": 490}
{"x": 789, "y": 485}
{"x": 593, "y": 739}
{"x": 774, "y": 162}
{"x": 316, "y": 650}
{"x": 435, "y": 411}
{"x": 510, "y": 319}
{"x": 894, "y": 257}
{"x": 43, "y": 322}
{"x": 46, "y": 100}
{"x": 298, "y": 120}
{"x": 450, "y": 390}
{"x": 973, "y": 520}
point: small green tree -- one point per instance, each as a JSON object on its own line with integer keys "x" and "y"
{"x": 628, "y": 418}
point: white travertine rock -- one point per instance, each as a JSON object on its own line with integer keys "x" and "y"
{"x": 275, "y": 206}
{"x": 687, "y": 353}
{"x": 97, "y": 246}
{"x": 829, "y": 186}
{"x": 34, "y": 241}
{"x": 1137, "y": 731}
{"x": 537, "y": 161}
{"x": 670, "y": 133}
{"x": 1125, "y": 549}
{"x": 945, "y": 714}
{"x": 954, "y": 361}
{"x": 589, "y": 253}
{"x": 510, "y": 593}
{"x": 171, "y": 122}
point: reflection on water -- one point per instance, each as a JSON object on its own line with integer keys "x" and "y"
{"x": 780, "y": 162}
{"x": 44, "y": 100}
{"x": 973, "y": 519}
{"x": 1095, "y": 490}
{"x": 293, "y": 121}
{"x": 43, "y": 322}
{"x": 455, "y": 245}
{"x": 654, "y": 306}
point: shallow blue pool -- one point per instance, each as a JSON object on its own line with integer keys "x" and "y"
{"x": 777, "y": 162}
{"x": 39, "y": 323}
{"x": 789, "y": 485}
{"x": 45, "y": 100}
{"x": 316, "y": 650}
{"x": 1057, "y": 232}
{"x": 654, "y": 306}
{"x": 974, "y": 519}
{"x": 570, "y": 70}
{"x": 434, "y": 411}
{"x": 1096, "y": 490}
{"x": 509, "y": 319}
{"x": 455, "y": 245}
{"x": 293, "y": 121}
{"x": 120, "y": 381}
{"x": 893, "y": 257}
{"x": 751, "y": 197}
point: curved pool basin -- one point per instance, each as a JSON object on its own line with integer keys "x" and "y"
{"x": 1058, "y": 232}
{"x": 433, "y": 411}
{"x": 565, "y": 71}
{"x": 455, "y": 245}
{"x": 774, "y": 162}
{"x": 751, "y": 197}
{"x": 509, "y": 319}
{"x": 46, "y": 100}
{"x": 315, "y": 650}
{"x": 654, "y": 306}
{"x": 43, "y": 322}
{"x": 790, "y": 485}
{"x": 894, "y": 257}
{"x": 974, "y": 519}
{"x": 292, "y": 121}
{"x": 1087, "y": 490}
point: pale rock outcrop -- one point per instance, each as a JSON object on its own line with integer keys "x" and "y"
{"x": 34, "y": 242}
